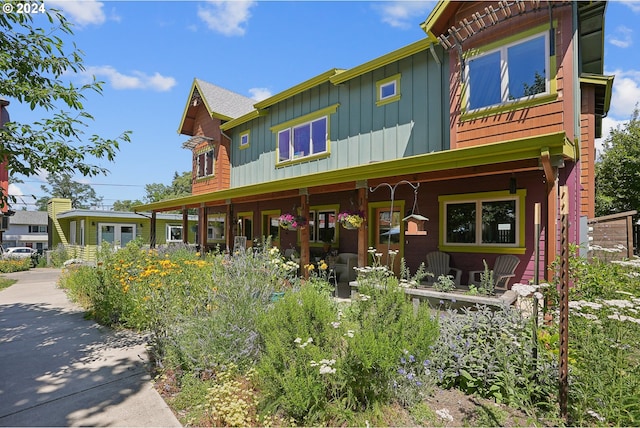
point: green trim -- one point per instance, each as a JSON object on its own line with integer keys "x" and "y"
{"x": 371, "y": 219}
{"x": 294, "y": 90}
{"x": 329, "y": 207}
{"x": 243, "y": 119}
{"x": 518, "y": 248}
{"x": 306, "y": 118}
{"x": 377, "y": 63}
{"x": 487, "y": 154}
{"x": 605, "y": 82}
{"x": 212, "y": 113}
{"x": 264, "y": 215}
{"x": 242, "y": 134}
{"x": 538, "y": 30}
{"x": 395, "y": 78}
{"x": 509, "y": 106}
{"x": 434, "y": 17}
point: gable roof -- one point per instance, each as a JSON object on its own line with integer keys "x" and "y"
{"x": 29, "y": 217}
{"x": 219, "y": 102}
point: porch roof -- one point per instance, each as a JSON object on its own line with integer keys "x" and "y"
{"x": 514, "y": 155}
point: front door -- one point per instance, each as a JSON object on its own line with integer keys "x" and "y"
{"x": 388, "y": 233}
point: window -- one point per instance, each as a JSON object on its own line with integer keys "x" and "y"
{"x": 486, "y": 219}
{"x": 37, "y": 229}
{"x": 174, "y": 233}
{"x": 72, "y": 232}
{"x": 215, "y": 227}
{"x": 322, "y": 224}
{"x": 304, "y": 137}
{"x": 516, "y": 71}
{"x": 244, "y": 140}
{"x": 204, "y": 164}
{"x": 245, "y": 225}
{"x": 388, "y": 90}
{"x": 116, "y": 234}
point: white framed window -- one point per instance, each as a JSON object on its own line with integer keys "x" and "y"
{"x": 388, "y": 90}
{"x": 493, "y": 219}
{"x": 515, "y": 71}
{"x": 37, "y": 229}
{"x": 244, "y": 140}
{"x": 215, "y": 227}
{"x": 116, "y": 234}
{"x": 174, "y": 233}
{"x": 204, "y": 163}
{"x": 303, "y": 140}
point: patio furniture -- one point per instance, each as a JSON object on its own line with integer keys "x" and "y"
{"x": 438, "y": 264}
{"x": 344, "y": 266}
{"x": 503, "y": 270}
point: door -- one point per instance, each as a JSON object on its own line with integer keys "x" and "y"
{"x": 388, "y": 233}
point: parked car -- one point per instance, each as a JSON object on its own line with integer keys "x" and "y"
{"x": 21, "y": 253}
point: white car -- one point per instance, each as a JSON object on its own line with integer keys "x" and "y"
{"x": 21, "y": 253}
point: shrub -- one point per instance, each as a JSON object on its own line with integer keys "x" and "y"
{"x": 14, "y": 265}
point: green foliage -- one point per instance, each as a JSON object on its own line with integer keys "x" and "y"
{"x": 617, "y": 176}
{"x": 33, "y": 66}
{"x": 180, "y": 186}
{"x": 490, "y": 353}
{"x": 14, "y": 265}
{"x": 62, "y": 186}
{"x": 444, "y": 283}
{"x": 5, "y": 282}
{"x": 487, "y": 284}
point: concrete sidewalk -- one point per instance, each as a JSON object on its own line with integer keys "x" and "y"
{"x": 59, "y": 369}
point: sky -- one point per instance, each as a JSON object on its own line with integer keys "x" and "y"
{"x": 148, "y": 52}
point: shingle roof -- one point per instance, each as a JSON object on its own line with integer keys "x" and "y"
{"x": 29, "y": 217}
{"x": 223, "y": 101}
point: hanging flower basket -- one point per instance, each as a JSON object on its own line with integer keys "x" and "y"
{"x": 351, "y": 219}
{"x": 291, "y": 222}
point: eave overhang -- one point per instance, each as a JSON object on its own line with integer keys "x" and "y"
{"x": 294, "y": 90}
{"x": 556, "y": 144}
{"x": 194, "y": 100}
{"x": 379, "y": 62}
{"x": 243, "y": 119}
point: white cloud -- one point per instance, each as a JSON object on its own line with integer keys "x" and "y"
{"x": 226, "y": 17}
{"x": 136, "y": 80}
{"x": 404, "y": 14}
{"x": 608, "y": 124}
{"x": 634, "y": 5}
{"x": 82, "y": 12}
{"x": 259, "y": 94}
{"x": 622, "y": 37}
{"x": 625, "y": 94}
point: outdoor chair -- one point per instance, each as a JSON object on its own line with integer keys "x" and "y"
{"x": 503, "y": 270}
{"x": 344, "y": 267}
{"x": 438, "y": 264}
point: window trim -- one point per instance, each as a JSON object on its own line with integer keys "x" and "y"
{"x": 315, "y": 209}
{"x": 168, "y": 233}
{"x": 304, "y": 119}
{"x": 246, "y": 144}
{"x": 380, "y": 100}
{"x": 502, "y": 195}
{"x": 505, "y": 106}
{"x": 117, "y": 232}
{"x": 265, "y": 216}
{"x": 204, "y": 153}
{"x": 215, "y": 216}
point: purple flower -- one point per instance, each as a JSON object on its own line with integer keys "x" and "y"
{"x": 402, "y": 371}
{"x": 412, "y": 358}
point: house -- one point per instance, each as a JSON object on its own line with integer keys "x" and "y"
{"x": 82, "y": 231}
{"x": 486, "y": 127}
{"x": 27, "y": 229}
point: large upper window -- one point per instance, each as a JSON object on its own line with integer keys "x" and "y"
{"x": 489, "y": 219}
{"x": 304, "y": 137}
{"x": 512, "y": 72}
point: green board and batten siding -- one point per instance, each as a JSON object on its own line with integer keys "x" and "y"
{"x": 360, "y": 131}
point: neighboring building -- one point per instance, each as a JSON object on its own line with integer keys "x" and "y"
{"x": 82, "y": 231}
{"x": 477, "y": 126}
{"x": 27, "y": 229}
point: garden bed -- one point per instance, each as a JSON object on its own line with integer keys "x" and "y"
{"x": 453, "y": 299}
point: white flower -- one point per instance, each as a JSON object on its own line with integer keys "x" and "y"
{"x": 364, "y": 297}
{"x": 349, "y": 333}
{"x": 619, "y": 303}
{"x": 444, "y": 415}
{"x": 298, "y": 340}
{"x": 335, "y": 324}
{"x": 327, "y": 370}
{"x": 595, "y": 415}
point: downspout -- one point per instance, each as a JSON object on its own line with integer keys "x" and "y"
{"x": 229, "y": 224}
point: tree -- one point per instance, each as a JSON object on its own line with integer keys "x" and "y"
{"x": 62, "y": 186}
{"x": 618, "y": 170}
{"x": 126, "y": 205}
{"x": 180, "y": 186}
{"x": 33, "y": 61}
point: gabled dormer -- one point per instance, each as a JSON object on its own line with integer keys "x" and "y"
{"x": 208, "y": 107}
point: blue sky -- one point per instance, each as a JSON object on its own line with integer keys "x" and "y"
{"x": 148, "y": 53}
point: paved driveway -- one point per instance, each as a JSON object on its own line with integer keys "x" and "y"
{"x": 59, "y": 369}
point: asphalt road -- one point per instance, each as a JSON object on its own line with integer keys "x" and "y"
{"x": 59, "y": 369}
